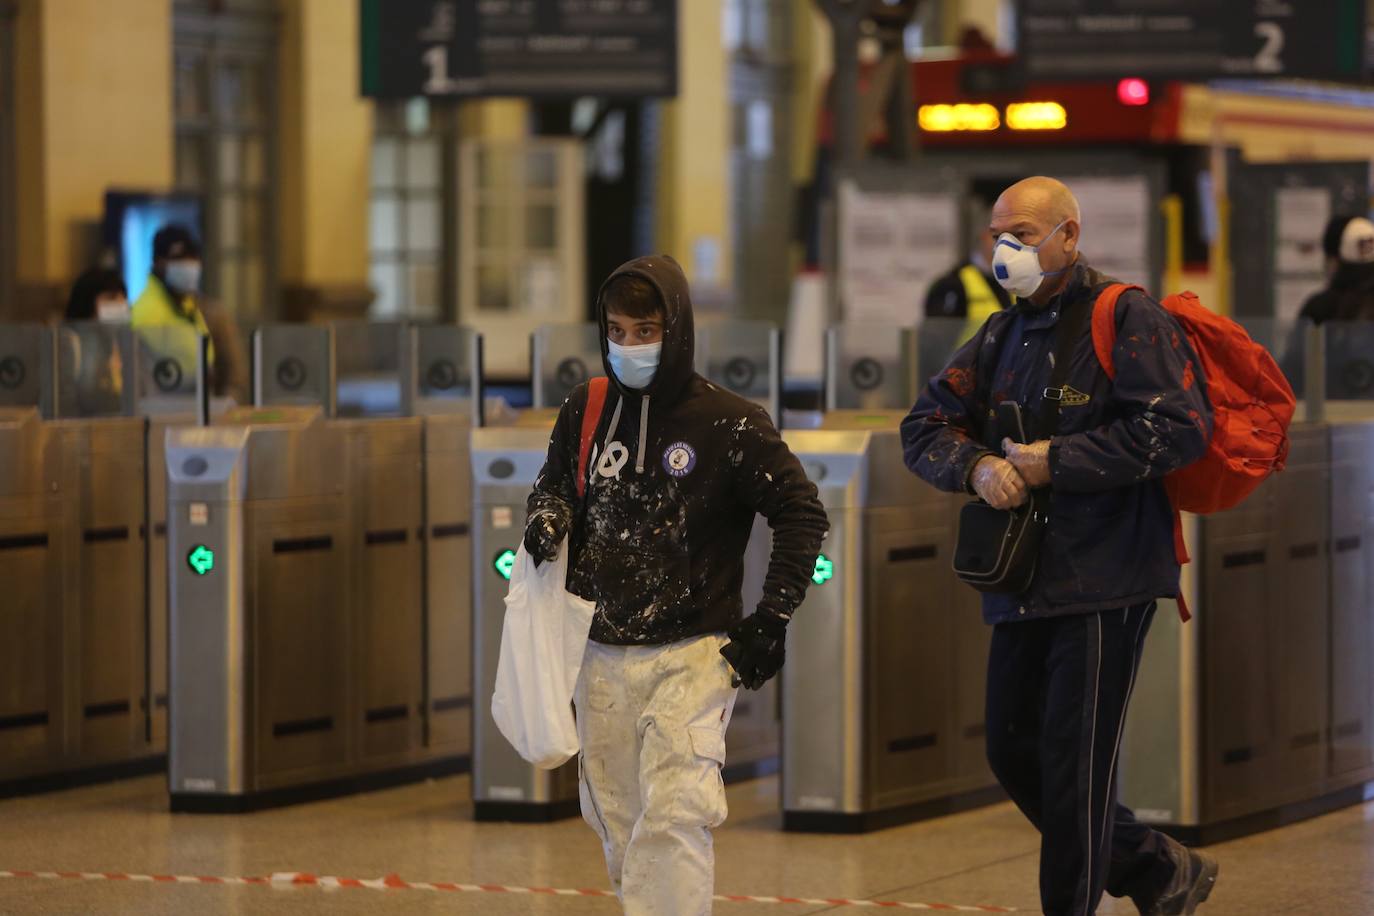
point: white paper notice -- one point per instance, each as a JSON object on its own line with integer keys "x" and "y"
{"x": 1116, "y": 225}
{"x": 1291, "y": 293}
{"x": 893, "y": 244}
{"x": 1300, "y": 219}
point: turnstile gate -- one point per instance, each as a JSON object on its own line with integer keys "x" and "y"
{"x": 319, "y": 570}
{"x": 1260, "y": 710}
{"x": 883, "y": 690}
{"x": 75, "y": 691}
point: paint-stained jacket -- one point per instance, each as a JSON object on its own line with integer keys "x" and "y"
{"x": 1109, "y": 542}
{"x": 661, "y": 547}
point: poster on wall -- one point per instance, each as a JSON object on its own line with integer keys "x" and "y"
{"x": 1300, "y": 216}
{"x": 892, "y": 246}
{"x": 1116, "y": 225}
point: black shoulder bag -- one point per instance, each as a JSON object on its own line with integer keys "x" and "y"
{"x": 997, "y": 549}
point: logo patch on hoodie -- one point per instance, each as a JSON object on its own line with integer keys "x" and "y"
{"x": 679, "y": 459}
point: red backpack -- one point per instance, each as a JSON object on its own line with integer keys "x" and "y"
{"x": 1252, "y": 405}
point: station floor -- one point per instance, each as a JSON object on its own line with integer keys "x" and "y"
{"x": 423, "y": 833}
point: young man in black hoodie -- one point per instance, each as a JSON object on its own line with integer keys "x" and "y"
{"x": 677, "y": 471}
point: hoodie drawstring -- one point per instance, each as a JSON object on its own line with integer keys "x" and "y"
{"x": 643, "y": 433}
{"x": 615, "y": 421}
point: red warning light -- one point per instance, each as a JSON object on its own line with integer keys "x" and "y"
{"x": 1133, "y": 91}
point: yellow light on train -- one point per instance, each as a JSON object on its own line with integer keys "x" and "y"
{"x": 1037, "y": 116}
{"x": 948, "y": 118}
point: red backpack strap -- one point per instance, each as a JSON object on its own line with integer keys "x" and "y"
{"x": 591, "y": 415}
{"x": 1104, "y": 325}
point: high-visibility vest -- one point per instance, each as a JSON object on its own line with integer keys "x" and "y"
{"x": 982, "y": 301}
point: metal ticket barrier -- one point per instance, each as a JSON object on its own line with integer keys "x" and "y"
{"x": 883, "y": 692}
{"x": 310, "y": 544}
{"x": 79, "y": 682}
{"x": 1260, "y": 711}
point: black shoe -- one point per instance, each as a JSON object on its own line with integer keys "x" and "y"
{"x": 1191, "y": 885}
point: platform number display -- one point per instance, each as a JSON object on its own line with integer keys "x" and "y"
{"x": 824, "y": 571}
{"x": 201, "y": 559}
{"x": 504, "y": 564}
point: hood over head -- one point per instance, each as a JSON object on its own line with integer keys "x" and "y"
{"x": 677, "y": 364}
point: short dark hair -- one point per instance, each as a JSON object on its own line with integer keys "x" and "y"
{"x": 90, "y": 286}
{"x": 632, "y": 296}
{"x": 175, "y": 241}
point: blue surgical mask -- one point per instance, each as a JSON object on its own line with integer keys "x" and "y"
{"x": 635, "y": 366}
{"x": 183, "y": 276}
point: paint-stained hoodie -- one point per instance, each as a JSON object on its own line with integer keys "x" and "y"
{"x": 677, "y": 473}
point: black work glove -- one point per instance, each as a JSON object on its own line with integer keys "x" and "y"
{"x": 544, "y": 531}
{"x": 756, "y": 648}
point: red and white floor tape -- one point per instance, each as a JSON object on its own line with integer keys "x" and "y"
{"x": 395, "y": 882}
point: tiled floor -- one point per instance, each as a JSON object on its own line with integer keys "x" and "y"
{"x": 424, "y": 833}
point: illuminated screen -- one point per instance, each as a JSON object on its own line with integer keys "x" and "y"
{"x": 131, "y": 221}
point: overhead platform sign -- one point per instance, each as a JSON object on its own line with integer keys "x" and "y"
{"x": 1192, "y": 39}
{"x": 541, "y": 49}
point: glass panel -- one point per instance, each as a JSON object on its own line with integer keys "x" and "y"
{"x": 254, "y": 279}
{"x": 443, "y": 369}
{"x": 230, "y": 282}
{"x": 230, "y": 224}
{"x": 91, "y": 361}
{"x": 424, "y": 289}
{"x": 568, "y": 355}
{"x": 424, "y": 225}
{"x": 386, "y": 283}
{"x": 254, "y": 160}
{"x": 493, "y": 287}
{"x": 422, "y": 163}
{"x": 190, "y": 82}
{"x": 190, "y": 161}
{"x": 541, "y": 168}
{"x": 384, "y": 224}
{"x": 23, "y": 364}
{"x": 385, "y": 162}
{"x": 167, "y": 362}
{"x": 230, "y": 160}
{"x": 367, "y": 360}
{"x": 253, "y": 228}
{"x": 738, "y": 355}
{"x": 493, "y": 226}
{"x": 541, "y": 226}
{"x": 1350, "y": 362}
{"x": 240, "y": 91}
{"x": 871, "y": 366}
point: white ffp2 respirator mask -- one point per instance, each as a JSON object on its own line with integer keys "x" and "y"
{"x": 1017, "y": 266}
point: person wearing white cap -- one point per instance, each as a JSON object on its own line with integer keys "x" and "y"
{"x": 1349, "y": 296}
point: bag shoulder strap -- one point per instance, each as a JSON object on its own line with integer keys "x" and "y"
{"x": 591, "y": 416}
{"x": 1073, "y": 322}
{"x": 1104, "y": 325}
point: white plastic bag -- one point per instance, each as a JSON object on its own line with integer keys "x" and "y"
{"x": 542, "y": 642}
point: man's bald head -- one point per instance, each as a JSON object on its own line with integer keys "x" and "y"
{"x": 1030, "y": 211}
{"x": 1048, "y": 198}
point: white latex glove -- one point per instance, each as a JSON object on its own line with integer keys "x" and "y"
{"x": 998, "y": 483}
{"x": 1031, "y": 461}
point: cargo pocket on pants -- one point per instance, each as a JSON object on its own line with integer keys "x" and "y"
{"x": 701, "y": 800}
{"x": 591, "y": 810}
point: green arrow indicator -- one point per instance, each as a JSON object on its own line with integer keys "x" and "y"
{"x": 201, "y": 559}
{"x": 824, "y": 571}
{"x": 504, "y": 563}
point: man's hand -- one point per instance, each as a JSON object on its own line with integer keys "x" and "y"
{"x": 1032, "y": 461}
{"x": 756, "y": 648}
{"x": 544, "y": 531}
{"x": 998, "y": 483}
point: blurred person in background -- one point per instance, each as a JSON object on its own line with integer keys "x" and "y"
{"x": 172, "y": 300}
{"x": 1349, "y": 294}
{"x": 93, "y": 385}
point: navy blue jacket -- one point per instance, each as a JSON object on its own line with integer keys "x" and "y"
{"x": 1109, "y": 543}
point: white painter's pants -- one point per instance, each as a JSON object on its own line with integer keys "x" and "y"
{"x": 652, "y": 723}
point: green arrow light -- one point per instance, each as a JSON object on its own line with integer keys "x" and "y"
{"x": 504, "y": 563}
{"x": 201, "y": 559}
{"x": 824, "y": 571}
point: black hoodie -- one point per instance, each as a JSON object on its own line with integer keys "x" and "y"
{"x": 660, "y": 548}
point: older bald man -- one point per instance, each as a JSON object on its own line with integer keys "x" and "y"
{"x": 1064, "y": 653}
